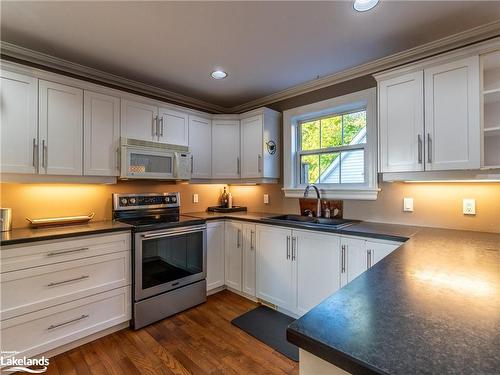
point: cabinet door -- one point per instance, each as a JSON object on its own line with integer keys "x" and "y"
{"x": 101, "y": 133}
{"x": 215, "y": 255}
{"x": 61, "y": 128}
{"x": 318, "y": 268}
{"x": 401, "y": 128}
{"x": 251, "y": 147}
{"x": 200, "y": 146}
{"x": 233, "y": 254}
{"x": 249, "y": 259}
{"x": 355, "y": 258}
{"x": 19, "y": 127}
{"x": 376, "y": 251}
{"x": 139, "y": 121}
{"x": 225, "y": 149}
{"x": 276, "y": 272}
{"x": 452, "y": 117}
{"x": 173, "y": 127}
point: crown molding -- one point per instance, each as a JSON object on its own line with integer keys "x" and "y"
{"x": 445, "y": 44}
{"x": 39, "y": 58}
{"x": 448, "y": 43}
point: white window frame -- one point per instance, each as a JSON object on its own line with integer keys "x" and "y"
{"x": 292, "y": 118}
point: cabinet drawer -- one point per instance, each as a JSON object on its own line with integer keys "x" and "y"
{"x": 36, "y": 288}
{"x": 18, "y": 257}
{"x": 47, "y": 329}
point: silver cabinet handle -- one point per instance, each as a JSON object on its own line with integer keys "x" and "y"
{"x": 63, "y": 252}
{"x": 118, "y": 159}
{"x": 154, "y": 127}
{"x": 44, "y": 154}
{"x": 419, "y": 149}
{"x": 161, "y": 126}
{"x": 288, "y": 247}
{"x": 68, "y": 322}
{"x": 368, "y": 259}
{"x": 68, "y": 281}
{"x": 294, "y": 248}
{"x": 429, "y": 148}
{"x": 192, "y": 163}
{"x": 175, "y": 232}
{"x": 259, "y": 162}
{"x": 238, "y": 165}
{"x": 343, "y": 259}
{"x": 252, "y": 245}
{"x": 238, "y": 238}
{"x": 34, "y": 154}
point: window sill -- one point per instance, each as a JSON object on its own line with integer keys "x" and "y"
{"x": 362, "y": 194}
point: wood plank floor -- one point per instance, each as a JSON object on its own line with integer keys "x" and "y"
{"x": 201, "y": 340}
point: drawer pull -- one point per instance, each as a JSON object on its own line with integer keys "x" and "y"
{"x": 52, "y": 326}
{"x": 68, "y": 281}
{"x": 62, "y": 252}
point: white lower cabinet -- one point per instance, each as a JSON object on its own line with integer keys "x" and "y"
{"x": 276, "y": 272}
{"x": 318, "y": 267}
{"x": 215, "y": 255}
{"x": 233, "y": 254}
{"x": 59, "y": 291}
{"x": 377, "y": 250}
{"x": 248, "y": 276}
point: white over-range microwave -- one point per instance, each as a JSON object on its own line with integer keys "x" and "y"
{"x": 151, "y": 160}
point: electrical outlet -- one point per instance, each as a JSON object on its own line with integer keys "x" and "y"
{"x": 408, "y": 204}
{"x": 195, "y": 198}
{"x": 266, "y": 198}
{"x": 469, "y": 206}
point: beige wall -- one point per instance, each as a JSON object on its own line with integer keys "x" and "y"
{"x": 436, "y": 204}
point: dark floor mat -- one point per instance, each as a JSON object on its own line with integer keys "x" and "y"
{"x": 269, "y": 326}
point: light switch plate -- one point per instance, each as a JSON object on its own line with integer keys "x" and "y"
{"x": 195, "y": 198}
{"x": 266, "y": 198}
{"x": 469, "y": 206}
{"x": 408, "y": 204}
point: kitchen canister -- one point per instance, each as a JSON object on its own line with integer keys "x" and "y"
{"x": 6, "y": 219}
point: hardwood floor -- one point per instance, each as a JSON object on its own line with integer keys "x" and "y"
{"x": 201, "y": 340}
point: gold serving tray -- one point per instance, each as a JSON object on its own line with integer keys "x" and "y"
{"x": 67, "y": 220}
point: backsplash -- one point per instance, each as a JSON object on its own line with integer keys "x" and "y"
{"x": 436, "y": 204}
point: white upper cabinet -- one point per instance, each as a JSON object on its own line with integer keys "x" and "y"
{"x": 200, "y": 146}
{"x": 101, "y": 133}
{"x": 19, "y": 127}
{"x": 139, "y": 121}
{"x": 452, "y": 116}
{"x": 225, "y": 149}
{"x": 401, "y": 123}
{"x": 173, "y": 127}
{"x": 318, "y": 267}
{"x": 251, "y": 147}
{"x": 61, "y": 128}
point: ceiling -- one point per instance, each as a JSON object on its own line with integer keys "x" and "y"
{"x": 265, "y": 47}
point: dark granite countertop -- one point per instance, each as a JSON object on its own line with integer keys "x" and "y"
{"x": 391, "y": 232}
{"x": 24, "y": 235}
{"x": 430, "y": 307}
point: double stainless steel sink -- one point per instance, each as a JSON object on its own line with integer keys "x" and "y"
{"x": 311, "y": 221}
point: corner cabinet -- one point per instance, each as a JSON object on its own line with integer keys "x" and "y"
{"x": 225, "y": 149}
{"x": 60, "y": 116}
{"x": 19, "y": 123}
{"x": 200, "y": 146}
{"x": 447, "y": 137}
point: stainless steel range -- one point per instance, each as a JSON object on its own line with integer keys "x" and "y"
{"x": 170, "y": 255}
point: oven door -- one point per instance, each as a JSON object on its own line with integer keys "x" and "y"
{"x": 147, "y": 162}
{"x": 169, "y": 259}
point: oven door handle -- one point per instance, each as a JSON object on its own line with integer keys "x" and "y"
{"x": 175, "y": 232}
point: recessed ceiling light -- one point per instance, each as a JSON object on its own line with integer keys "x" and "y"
{"x": 364, "y": 5}
{"x": 219, "y": 74}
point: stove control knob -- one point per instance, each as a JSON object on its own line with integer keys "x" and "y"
{"x": 123, "y": 201}
{"x": 174, "y": 199}
{"x": 167, "y": 200}
{"x": 133, "y": 201}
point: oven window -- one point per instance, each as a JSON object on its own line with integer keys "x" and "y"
{"x": 167, "y": 259}
{"x": 144, "y": 163}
